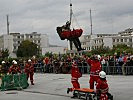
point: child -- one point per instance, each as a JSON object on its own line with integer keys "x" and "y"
{"x": 75, "y": 73}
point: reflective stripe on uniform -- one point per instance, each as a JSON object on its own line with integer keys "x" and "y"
{"x": 104, "y": 90}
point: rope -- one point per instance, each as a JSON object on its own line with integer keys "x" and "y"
{"x": 76, "y": 21}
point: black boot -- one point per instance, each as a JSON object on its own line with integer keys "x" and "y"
{"x": 68, "y": 90}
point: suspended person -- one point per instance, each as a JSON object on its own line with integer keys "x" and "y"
{"x": 29, "y": 70}
{"x": 102, "y": 88}
{"x": 75, "y": 75}
{"x": 72, "y": 35}
{"x": 95, "y": 68}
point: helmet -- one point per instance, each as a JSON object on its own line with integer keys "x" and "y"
{"x": 3, "y": 62}
{"x": 102, "y": 74}
{"x": 15, "y": 62}
{"x": 29, "y": 60}
{"x": 99, "y": 57}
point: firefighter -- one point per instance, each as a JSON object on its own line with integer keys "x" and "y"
{"x": 14, "y": 69}
{"x": 102, "y": 87}
{"x": 75, "y": 75}
{"x": 95, "y": 68}
{"x": 29, "y": 70}
{"x": 2, "y": 68}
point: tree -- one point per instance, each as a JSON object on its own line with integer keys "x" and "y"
{"x": 121, "y": 48}
{"x": 27, "y": 49}
{"x": 100, "y": 50}
{"x": 5, "y": 53}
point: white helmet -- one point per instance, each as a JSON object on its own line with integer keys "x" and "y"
{"x": 102, "y": 74}
{"x": 29, "y": 60}
{"x": 3, "y": 62}
{"x": 15, "y": 62}
{"x": 99, "y": 57}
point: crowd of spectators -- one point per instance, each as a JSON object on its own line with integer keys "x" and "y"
{"x": 122, "y": 64}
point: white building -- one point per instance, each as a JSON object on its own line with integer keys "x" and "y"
{"x": 12, "y": 41}
{"x": 88, "y": 42}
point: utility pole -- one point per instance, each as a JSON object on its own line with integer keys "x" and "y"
{"x": 7, "y": 25}
{"x": 91, "y": 21}
{"x": 70, "y": 42}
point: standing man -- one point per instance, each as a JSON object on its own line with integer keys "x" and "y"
{"x": 29, "y": 70}
{"x": 95, "y": 68}
{"x": 14, "y": 69}
{"x": 3, "y": 68}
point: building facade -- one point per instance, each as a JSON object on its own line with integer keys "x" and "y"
{"x": 89, "y": 42}
{"x": 12, "y": 41}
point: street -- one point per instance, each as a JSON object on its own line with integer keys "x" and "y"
{"x": 54, "y": 87}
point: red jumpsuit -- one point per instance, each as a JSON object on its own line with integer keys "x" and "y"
{"x": 95, "y": 68}
{"x": 102, "y": 89}
{"x": 75, "y": 75}
{"x": 29, "y": 70}
{"x": 14, "y": 69}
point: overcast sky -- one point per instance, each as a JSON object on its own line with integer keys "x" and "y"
{"x": 43, "y": 16}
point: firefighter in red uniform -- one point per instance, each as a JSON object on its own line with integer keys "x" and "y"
{"x": 102, "y": 86}
{"x": 75, "y": 73}
{"x": 29, "y": 70}
{"x": 95, "y": 68}
{"x": 14, "y": 69}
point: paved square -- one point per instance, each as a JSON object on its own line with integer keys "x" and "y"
{"x": 54, "y": 86}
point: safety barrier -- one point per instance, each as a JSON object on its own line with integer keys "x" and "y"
{"x": 111, "y": 69}
{"x": 118, "y": 70}
{"x": 14, "y": 81}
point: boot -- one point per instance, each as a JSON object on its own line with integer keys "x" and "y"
{"x": 32, "y": 83}
{"x": 68, "y": 90}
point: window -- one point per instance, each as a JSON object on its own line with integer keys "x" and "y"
{"x": 125, "y": 40}
{"x": 130, "y": 40}
{"x": 14, "y": 47}
{"x": 31, "y": 36}
{"x": 95, "y": 41}
{"x": 113, "y": 40}
{"x": 19, "y": 37}
{"x": 121, "y": 40}
{"x": 117, "y": 40}
{"x": 38, "y": 41}
{"x": 18, "y": 42}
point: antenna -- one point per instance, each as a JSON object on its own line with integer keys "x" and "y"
{"x": 70, "y": 11}
{"x": 91, "y": 21}
{"x": 7, "y": 25}
{"x": 70, "y": 42}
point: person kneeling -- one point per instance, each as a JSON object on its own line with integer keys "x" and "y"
{"x": 102, "y": 87}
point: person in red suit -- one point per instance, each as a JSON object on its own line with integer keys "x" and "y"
{"x": 95, "y": 68}
{"x": 75, "y": 75}
{"x": 65, "y": 32}
{"x": 14, "y": 69}
{"x": 29, "y": 70}
{"x": 102, "y": 86}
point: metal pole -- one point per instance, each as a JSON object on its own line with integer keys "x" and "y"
{"x": 91, "y": 21}
{"x": 7, "y": 25}
{"x": 70, "y": 23}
